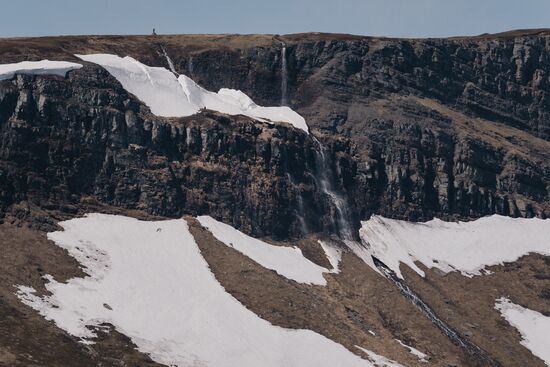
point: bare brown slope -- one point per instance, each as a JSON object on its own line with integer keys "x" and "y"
{"x": 146, "y": 48}
{"x": 29, "y": 48}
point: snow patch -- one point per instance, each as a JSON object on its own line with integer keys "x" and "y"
{"x": 162, "y": 294}
{"x": 378, "y": 360}
{"x": 171, "y": 96}
{"x": 533, "y": 326}
{"x": 333, "y": 254}
{"x": 467, "y": 247}
{"x": 286, "y": 261}
{"x": 44, "y": 67}
{"x": 157, "y": 87}
{"x": 422, "y": 357}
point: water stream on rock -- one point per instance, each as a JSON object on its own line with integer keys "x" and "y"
{"x": 325, "y": 181}
{"x": 169, "y": 61}
{"x": 324, "y": 178}
{"x": 300, "y": 212}
{"x": 284, "y": 76}
{"x": 472, "y": 349}
{"x": 190, "y": 66}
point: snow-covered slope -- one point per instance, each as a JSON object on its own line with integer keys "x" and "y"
{"x": 286, "y": 261}
{"x": 378, "y": 360}
{"x": 533, "y": 326}
{"x": 333, "y": 254}
{"x": 467, "y": 247}
{"x": 157, "y": 87}
{"x": 149, "y": 280}
{"x": 422, "y": 357}
{"x": 44, "y": 67}
{"x": 171, "y": 96}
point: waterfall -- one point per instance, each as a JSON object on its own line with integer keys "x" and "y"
{"x": 169, "y": 61}
{"x": 284, "y": 76}
{"x": 325, "y": 180}
{"x": 300, "y": 212}
{"x": 190, "y": 66}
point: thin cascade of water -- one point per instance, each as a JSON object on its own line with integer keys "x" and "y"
{"x": 455, "y": 337}
{"x": 300, "y": 212}
{"x": 325, "y": 181}
{"x": 190, "y": 66}
{"x": 284, "y": 76}
{"x": 169, "y": 61}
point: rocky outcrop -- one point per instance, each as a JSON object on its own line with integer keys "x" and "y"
{"x": 449, "y": 127}
{"x": 85, "y": 138}
{"x": 412, "y": 129}
{"x": 503, "y": 79}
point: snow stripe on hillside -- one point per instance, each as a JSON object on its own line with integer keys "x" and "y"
{"x": 533, "y": 326}
{"x": 333, "y": 254}
{"x": 422, "y": 357}
{"x": 286, "y": 261}
{"x": 378, "y": 360}
{"x": 149, "y": 280}
{"x": 171, "y": 96}
{"x": 44, "y": 67}
{"x": 157, "y": 87}
{"x": 467, "y": 247}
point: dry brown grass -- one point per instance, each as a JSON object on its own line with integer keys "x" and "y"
{"x": 29, "y": 48}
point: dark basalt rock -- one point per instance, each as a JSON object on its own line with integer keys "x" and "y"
{"x": 447, "y": 127}
{"x": 66, "y": 140}
{"x": 413, "y": 129}
{"x": 501, "y": 79}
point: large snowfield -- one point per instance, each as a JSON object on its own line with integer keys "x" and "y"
{"x": 467, "y": 247}
{"x": 44, "y": 67}
{"x": 533, "y": 326}
{"x": 149, "y": 280}
{"x": 177, "y": 96}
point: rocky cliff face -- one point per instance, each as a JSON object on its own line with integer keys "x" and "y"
{"x": 504, "y": 79}
{"x": 412, "y": 129}
{"x": 435, "y": 127}
{"x": 84, "y": 138}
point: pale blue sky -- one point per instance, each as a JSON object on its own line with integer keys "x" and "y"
{"x": 404, "y": 18}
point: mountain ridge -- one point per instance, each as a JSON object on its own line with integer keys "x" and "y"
{"x": 455, "y": 129}
{"x": 520, "y": 32}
